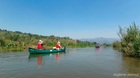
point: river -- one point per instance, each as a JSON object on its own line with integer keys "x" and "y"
{"x": 74, "y": 63}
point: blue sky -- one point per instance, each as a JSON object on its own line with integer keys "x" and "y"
{"x": 72, "y": 18}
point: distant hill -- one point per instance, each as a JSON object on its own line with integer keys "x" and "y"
{"x": 101, "y": 40}
{"x": 18, "y": 41}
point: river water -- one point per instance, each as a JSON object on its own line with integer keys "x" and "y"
{"x": 74, "y": 63}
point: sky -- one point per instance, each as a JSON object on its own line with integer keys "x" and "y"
{"x": 69, "y": 18}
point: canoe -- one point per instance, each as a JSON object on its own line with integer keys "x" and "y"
{"x": 38, "y": 51}
{"x": 97, "y": 46}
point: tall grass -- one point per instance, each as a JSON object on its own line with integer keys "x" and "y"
{"x": 130, "y": 40}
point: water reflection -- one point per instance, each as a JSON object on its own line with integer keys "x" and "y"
{"x": 75, "y": 63}
{"x": 98, "y": 49}
{"x": 57, "y": 57}
{"x": 41, "y": 58}
{"x": 132, "y": 65}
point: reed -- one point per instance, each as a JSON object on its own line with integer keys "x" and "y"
{"x": 130, "y": 40}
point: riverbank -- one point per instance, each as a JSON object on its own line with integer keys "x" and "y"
{"x": 4, "y": 49}
{"x": 18, "y": 41}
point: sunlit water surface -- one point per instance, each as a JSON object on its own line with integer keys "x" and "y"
{"x": 74, "y": 63}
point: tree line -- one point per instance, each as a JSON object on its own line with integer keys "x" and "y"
{"x": 18, "y": 41}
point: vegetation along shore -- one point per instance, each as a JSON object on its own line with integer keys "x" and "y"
{"x": 18, "y": 41}
{"x": 130, "y": 41}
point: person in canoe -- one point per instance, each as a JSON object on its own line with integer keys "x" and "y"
{"x": 97, "y": 46}
{"x": 58, "y": 45}
{"x": 40, "y": 45}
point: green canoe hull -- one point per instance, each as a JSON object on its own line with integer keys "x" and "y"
{"x": 37, "y": 51}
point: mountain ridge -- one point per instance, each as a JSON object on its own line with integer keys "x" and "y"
{"x": 101, "y": 40}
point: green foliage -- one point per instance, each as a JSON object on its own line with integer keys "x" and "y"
{"x": 18, "y": 41}
{"x": 2, "y": 42}
{"x": 117, "y": 45}
{"x": 130, "y": 41}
